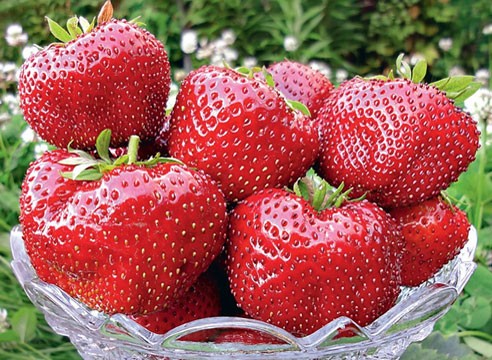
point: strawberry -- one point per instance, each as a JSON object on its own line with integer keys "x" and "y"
{"x": 121, "y": 236}
{"x": 434, "y": 232}
{"x": 116, "y": 76}
{"x": 299, "y": 267}
{"x": 301, "y": 83}
{"x": 395, "y": 140}
{"x": 241, "y": 131}
{"x": 246, "y": 336}
{"x": 200, "y": 301}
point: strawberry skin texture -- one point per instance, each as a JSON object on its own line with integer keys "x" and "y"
{"x": 240, "y": 131}
{"x": 395, "y": 141}
{"x": 299, "y": 269}
{"x": 130, "y": 242}
{"x": 116, "y": 76}
{"x": 434, "y": 233}
{"x": 202, "y": 300}
{"x": 301, "y": 83}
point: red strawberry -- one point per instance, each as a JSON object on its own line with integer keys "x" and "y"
{"x": 301, "y": 83}
{"x": 241, "y": 131}
{"x": 115, "y": 76}
{"x": 202, "y": 300}
{"x": 396, "y": 141}
{"x": 434, "y": 232}
{"x": 126, "y": 238}
{"x": 246, "y": 336}
{"x": 299, "y": 268}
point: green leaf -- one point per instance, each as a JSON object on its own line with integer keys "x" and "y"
{"x": 466, "y": 93}
{"x": 9, "y": 336}
{"x": 86, "y": 27}
{"x": 301, "y": 190}
{"x": 24, "y": 322}
{"x": 296, "y": 105}
{"x": 437, "y": 347}
{"x": 476, "y": 312}
{"x": 479, "y": 283}
{"x": 73, "y": 161}
{"x": 482, "y": 347}
{"x": 102, "y": 145}
{"x": 73, "y": 27}
{"x": 84, "y": 175}
{"x": 268, "y": 78}
{"x": 403, "y": 68}
{"x": 419, "y": 71}
{"x": 58, "y": 32}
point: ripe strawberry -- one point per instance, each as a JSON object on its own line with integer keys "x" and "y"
{"x": 123, "y": 237}
{"x": 114, "y": 76}
{"x": 396, "y": 141}
{"x": 246, "y": 336}
{"x": 434, "y": 232}
{"x": 301, "y": 83}
{"x": 300, "y": 267}
{"x": 202, "y": 300}
{"x": 241, "y": 131}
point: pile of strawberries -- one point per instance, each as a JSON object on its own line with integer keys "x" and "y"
{"x": 236, "y": 221}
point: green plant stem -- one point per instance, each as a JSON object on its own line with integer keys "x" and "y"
{"x": 475, "y": 333}
{"x": 478, "y": 214}
{"x": 133, "y": 149}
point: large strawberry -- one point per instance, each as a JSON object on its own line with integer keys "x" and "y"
{"x": 299, "y": 267}
{"x": 434, "y": 232}
{"x": 301, "y": 83}
{"x": 397, "y": 140}
{"x": 202, "y": 300}
{"x": 116, "y": 76}
{"x": 241, "y": 131}
{"x": 124, "y": 236}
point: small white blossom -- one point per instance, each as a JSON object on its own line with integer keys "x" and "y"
{"x": 487, "y": 30}
{"x": 217, "y": 59}
{"x": 445, "y": 44}
{"x": 189, "y": 41}
{"x": 341, "y": 75}
{"x": 228, "y": 36}
{"x": 291, "y": 43}
{"x": 415, "y": 58}
{"x": 456, "y": 71}
{"x": 321, "y": 67}
{"x": 482, "y": 76}
{"x": 40, "y": 149}
{"x": 15, "y": 36}
{"x": 28, "y": 135}
{"x": 479, "y": 105}
{"x": 250, "y": 61}
{"x": 8, "y": 72}
{"x": 230, "y": 55}
{"x": 4, "y": 325}
{"x": 28, "y": 51}
{"x": 12, "y": 102}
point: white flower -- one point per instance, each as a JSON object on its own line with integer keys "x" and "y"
{"x": 8, "y": 72}
{"x": 415, "y": 58}
{"x": 40, "y": 149}
{"x": 322, "y": 67}
{"x": 341, "y": 75}
{"x": 217, "y": 59}
{"x": 28, "y": 135}
{"x": 250, "y": 61}
{"x": 29, "y": 50}
{"x": 456, "y": 71}
{"x": 4, "y": 325}
{"x": 228, "y": 36}
{"x": 230, "y": 54}
{"x": 482, "y": 76}
{"x": 189, "y": 41}
{"x": 15, "y": 36}
{"x": 479, "y": 105}
{"x": 487, "y": 30}
{"x": 12, "y": 101}
{"x": 291, "y": 43}
{"x": 445, "y": 44}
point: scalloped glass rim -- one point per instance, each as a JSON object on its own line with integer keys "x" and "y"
{"x": 97, "y": 336}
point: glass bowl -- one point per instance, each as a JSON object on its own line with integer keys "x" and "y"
{"x": 98, "y": 336}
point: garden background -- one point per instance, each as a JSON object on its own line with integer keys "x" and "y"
{"x": 341, "y": 38}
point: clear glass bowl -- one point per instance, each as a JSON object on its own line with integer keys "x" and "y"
{"x": 98, "y": 336}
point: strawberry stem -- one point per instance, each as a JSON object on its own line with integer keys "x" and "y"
{"x": 133, "y": 149}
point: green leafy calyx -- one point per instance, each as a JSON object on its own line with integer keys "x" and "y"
{"x": 89, "y": 168}
{"x": 319, "y": 193}
{"x": 457, "y": 88}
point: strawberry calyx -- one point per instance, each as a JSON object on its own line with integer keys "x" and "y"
{"x": 457, "y": 88}
{"x": 89, "y": 168}
{"x": 319, "y": 193}
{"x": 268, "y": 77}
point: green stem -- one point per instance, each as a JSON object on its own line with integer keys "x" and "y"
{"x": 133, "y": 149}
{"x": 478, "y": 214}
{"x": 490, "y": 61}
{"x": 475, "y": 333}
